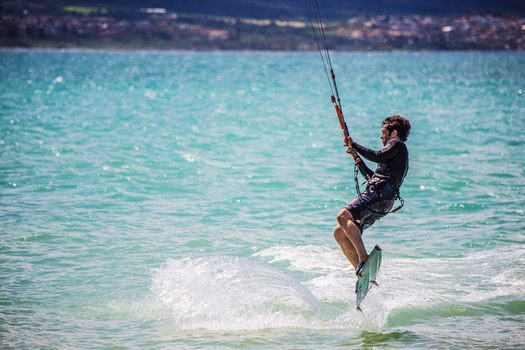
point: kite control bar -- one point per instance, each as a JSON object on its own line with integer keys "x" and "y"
{"x": 342, "y": 122}
{"x": 344, "y": 127}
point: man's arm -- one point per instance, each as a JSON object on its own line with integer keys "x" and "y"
{"x": 389, "y": 151}
{"x": 363, "y": 168}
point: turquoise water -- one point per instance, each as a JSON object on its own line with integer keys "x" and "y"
{"x": 187, "y": 200}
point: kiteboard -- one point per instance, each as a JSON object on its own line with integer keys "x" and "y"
{"x": 367, "y": 275}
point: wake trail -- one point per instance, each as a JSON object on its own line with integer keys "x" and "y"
{"x": 313, "y": 287}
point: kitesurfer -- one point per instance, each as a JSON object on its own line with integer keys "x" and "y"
{"x": 381, "y": 191}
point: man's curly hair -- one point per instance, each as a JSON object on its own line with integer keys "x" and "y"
{"x": 399, "y": 123}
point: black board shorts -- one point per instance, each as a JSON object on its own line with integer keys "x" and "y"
{"x": 373, "y": 204}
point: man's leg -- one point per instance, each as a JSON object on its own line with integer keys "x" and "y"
{"x": 346, "y": 221}
{"x": 346, "y": 246}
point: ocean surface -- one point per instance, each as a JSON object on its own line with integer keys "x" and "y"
{"x": 187, "y": 200}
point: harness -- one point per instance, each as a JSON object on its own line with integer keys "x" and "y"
{"x": 368, "y": 181}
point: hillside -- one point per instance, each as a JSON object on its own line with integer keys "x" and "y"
{"x": 254, "y": 25}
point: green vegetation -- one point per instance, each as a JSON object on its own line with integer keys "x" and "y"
{"x": 85, "y": 10}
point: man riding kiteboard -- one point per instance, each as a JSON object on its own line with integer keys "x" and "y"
{"x": 381, "y": 191}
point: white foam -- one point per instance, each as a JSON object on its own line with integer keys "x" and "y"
{"x": 478, "y": 276}
{"x": 231, "y": 293}
{"x": 306, "y": 258}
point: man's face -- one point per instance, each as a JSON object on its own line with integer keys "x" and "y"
{"x": 385, "y": 135}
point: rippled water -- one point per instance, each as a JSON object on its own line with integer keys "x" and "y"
{"x": 177, "y": 199}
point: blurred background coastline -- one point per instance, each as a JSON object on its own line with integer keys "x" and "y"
{"x": 258, "y": 25}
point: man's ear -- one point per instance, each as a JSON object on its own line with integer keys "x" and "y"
{"x": 394, "y": 133}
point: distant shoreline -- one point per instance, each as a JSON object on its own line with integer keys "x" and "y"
{"x": 147, "y": 50}
{"x": 171, "y": 31}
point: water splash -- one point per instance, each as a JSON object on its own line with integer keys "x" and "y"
{"x": 232, "y": 293}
